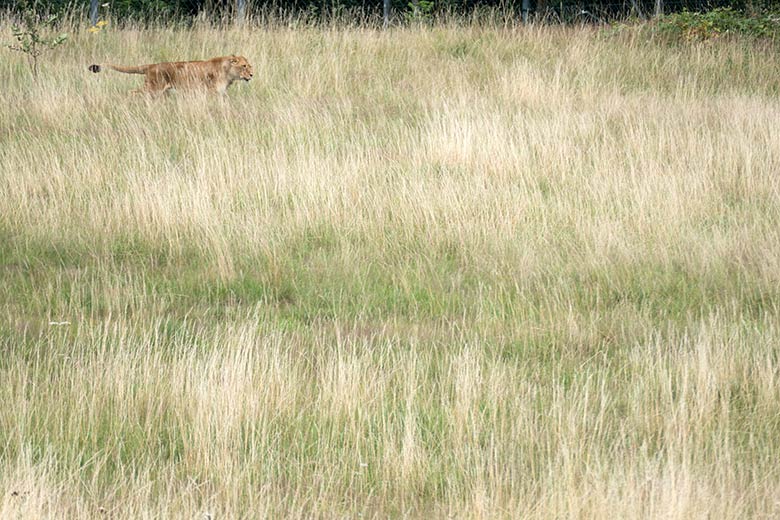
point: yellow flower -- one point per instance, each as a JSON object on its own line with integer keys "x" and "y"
{"x": 101, "y": 23}
{"x": 94, "y": 29}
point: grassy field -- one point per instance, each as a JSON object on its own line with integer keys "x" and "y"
{"x": 427, "y": 273}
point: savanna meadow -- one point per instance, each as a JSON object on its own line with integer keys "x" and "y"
{"x": 459, "y": 269}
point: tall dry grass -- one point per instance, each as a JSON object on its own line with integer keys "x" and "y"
{"x": 437, "y": 272}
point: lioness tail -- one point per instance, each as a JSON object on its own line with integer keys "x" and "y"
{"x": 128, "y": 70}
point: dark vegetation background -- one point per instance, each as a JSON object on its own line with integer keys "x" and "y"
{"x": 566, "y": 11}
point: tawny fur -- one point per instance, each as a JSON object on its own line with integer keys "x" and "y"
{"x": 214, "y": 75}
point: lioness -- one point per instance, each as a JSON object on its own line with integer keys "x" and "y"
{"x": 214, "y": 75}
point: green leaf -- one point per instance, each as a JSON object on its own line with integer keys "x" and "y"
{"x": 58, "y": 40}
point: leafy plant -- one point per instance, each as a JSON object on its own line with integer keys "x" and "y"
{"x": 30, "y": 38}
{"x": 420, "y": 11}
{"x": 97, "y": 27}
{"x": 692, "y": 26}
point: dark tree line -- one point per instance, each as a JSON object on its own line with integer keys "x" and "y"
{"x": 551, "y": 10}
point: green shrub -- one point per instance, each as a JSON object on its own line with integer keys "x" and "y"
{"x": 30, "y": 38}
{"x": 713, "y": 24}
{"x": 420, "y": 11}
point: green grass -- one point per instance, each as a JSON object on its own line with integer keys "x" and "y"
{"x": 450, "y": 271}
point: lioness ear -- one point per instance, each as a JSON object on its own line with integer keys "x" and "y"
{"x": 234, "y": 59}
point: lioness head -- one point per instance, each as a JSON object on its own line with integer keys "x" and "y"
{"x": 240, "y": 68}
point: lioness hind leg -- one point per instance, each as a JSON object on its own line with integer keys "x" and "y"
{"x": 152, "y": 90}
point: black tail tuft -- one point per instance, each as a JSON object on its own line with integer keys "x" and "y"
{"x": 94, "y": 68}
